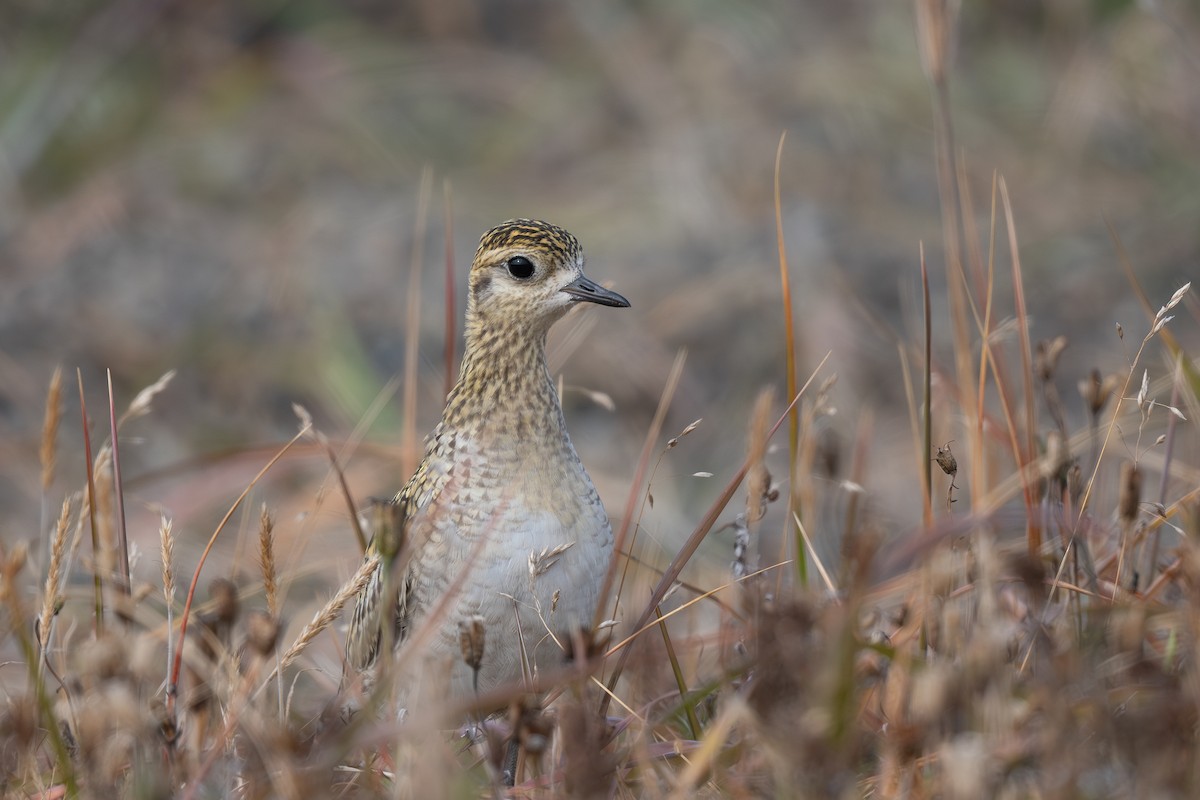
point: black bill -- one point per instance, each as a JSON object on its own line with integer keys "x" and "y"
{"x": 583, "y": 288}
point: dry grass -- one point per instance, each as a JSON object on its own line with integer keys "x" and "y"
{"x": 959, "y": 660}
{"x": 1032, "y": 631}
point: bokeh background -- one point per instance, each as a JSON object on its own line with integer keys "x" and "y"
{"x": 239, "y": 192}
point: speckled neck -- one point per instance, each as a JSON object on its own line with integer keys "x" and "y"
{"x": 504, "y": 390}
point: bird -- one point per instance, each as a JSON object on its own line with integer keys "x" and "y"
{"x": 504, "y": 532}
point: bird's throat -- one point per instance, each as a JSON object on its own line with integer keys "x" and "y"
{"x": 504, "y": 388}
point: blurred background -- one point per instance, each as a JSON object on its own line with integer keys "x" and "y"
{"x": 239, "y": 192}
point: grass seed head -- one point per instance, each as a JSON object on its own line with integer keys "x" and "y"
{"x": 472, "y": 636}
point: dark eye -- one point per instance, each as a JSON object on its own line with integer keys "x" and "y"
{"x": 520, "y": 267}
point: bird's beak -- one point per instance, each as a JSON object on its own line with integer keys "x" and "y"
{"x": 583, "y": 288}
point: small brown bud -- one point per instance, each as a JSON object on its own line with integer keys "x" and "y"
{"x": 1131, "y": 492}
{"x": 471, "y": 636}
{"x": 1094, "y": 392}
{"x": 946, "y": 460}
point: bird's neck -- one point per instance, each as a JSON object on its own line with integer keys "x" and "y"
{"x": 504, "y": 383}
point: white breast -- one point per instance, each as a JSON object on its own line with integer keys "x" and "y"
{"x": 532, "y": 574}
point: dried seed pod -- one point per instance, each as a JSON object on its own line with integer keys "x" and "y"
{"x": 946, "y": 460}
{"x": 1131, "y": 492}
{"x": 472, "y": 635}
{"x": 1095, "y": 391}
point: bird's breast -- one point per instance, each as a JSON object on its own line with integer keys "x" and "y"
{"x": 480, "y": 473}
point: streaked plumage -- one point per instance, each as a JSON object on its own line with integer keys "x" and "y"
{"x": 500, "y": 491}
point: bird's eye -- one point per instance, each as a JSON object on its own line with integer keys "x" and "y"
{"x": 520, "y": 267}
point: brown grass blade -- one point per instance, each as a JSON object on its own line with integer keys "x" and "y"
{"x": 1033, "y": 530}
{"x": 122, "y": 534}
{"x": 789, "y": 334}
{"x": 97, "y": 579}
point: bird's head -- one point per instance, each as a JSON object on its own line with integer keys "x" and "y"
{"x": 529, "y": 273}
